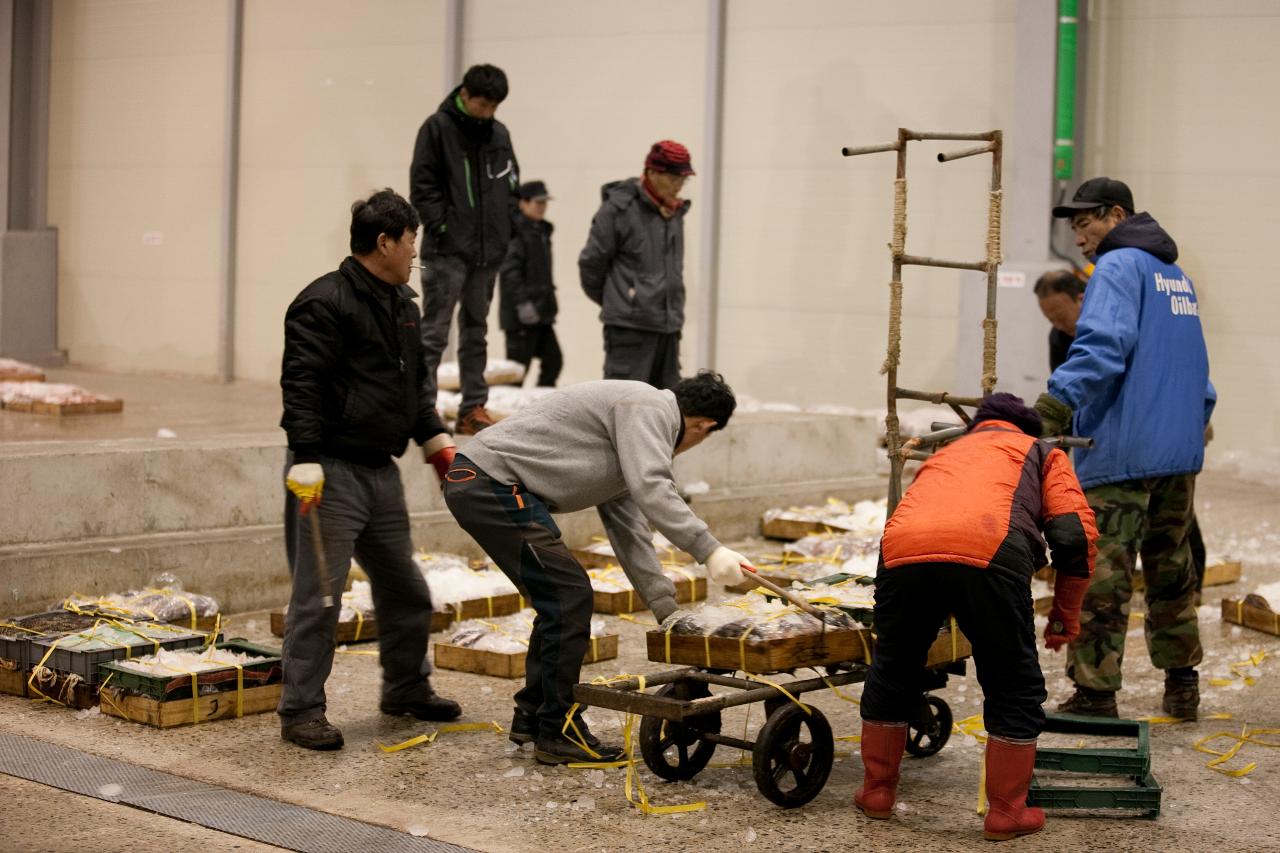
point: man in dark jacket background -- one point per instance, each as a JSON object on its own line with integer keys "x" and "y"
{"x": 1136, "y": 380}
{"x": 527, "y": 294}
{"x": 633, "y": 268}
{"x": 462, "y": 183}
{"x": 354, "y": 385}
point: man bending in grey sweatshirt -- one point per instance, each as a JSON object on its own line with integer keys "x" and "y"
{"x": 607, "y": 444}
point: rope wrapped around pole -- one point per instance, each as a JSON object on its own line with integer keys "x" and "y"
{"x": 988, "y": 355}
{"x": 993, "y": 229}
{"x": 893, "y": 356}
{"x": 899, "y": 244}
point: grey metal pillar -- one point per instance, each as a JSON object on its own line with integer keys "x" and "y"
{"x": 230, "y": 191}
{"x": 453, "y": 28}
{"x": 28, "y": 248}
{"x": 709, "y": 174}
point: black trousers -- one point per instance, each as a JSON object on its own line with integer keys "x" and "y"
{"x": 993, "y": 609}
{"x": 516, "y": 530}
{"x": 652, "y": 357}
{"x": 529, "y": 342}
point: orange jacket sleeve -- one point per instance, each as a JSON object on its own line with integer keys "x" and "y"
{"x": 1069, "y": 526}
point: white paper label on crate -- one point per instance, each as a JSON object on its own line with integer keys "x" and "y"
{"x": 152, "y": 238}
{"x": 1011, "y": 279}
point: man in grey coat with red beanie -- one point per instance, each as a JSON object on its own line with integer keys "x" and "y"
{"x": 633, "y": 268}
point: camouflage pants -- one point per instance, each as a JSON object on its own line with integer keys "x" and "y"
{"x": 1150, "y": 517}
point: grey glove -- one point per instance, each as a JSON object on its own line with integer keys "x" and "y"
{"x": 527, "y": 314}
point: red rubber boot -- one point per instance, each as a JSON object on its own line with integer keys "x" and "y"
{"x": 882, "y": 745}
{"x": 1009, "y": 766}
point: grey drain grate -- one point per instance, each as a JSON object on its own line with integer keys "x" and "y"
{"x": 221, "y": 809}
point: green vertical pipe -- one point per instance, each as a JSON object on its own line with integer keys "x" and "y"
{"x": 1064, "y": 132}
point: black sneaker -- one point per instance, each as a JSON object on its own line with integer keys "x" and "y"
{"x": 524, "y": 727}
{"x": 561, "y": 750}
{"x": 1182, "y": 696}
{"x": 313, "y": 734}
{"x": 432, "y": 707}
{"x": 1091, "y": 703}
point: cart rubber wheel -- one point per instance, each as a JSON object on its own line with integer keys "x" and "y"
{"x": 793, "y": 755}
{"x": 929, "y": 734}
{"x": 676, "y": 751}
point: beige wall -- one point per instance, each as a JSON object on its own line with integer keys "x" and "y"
{"x": 334, "y": 92}
{"x": 1182, "y": 107}
{"x": 593, "y": 85}
{"x": 135, "y": 147}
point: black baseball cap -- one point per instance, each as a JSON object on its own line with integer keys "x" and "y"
{"x": 531, "y": 190}
{"x": 1094, "y": 193}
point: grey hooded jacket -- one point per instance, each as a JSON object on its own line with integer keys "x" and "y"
{"x": 633, "y": 263}
{"x": 607, "y": 444}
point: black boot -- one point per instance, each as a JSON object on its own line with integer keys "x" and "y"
{"x": 524, "y": 727}
{"x": 1091, "y": 703}
{"x": 560, "y": 750}
{"x": 1182, "y": 693}
{"x": 428, "y": 705}
{"x": 313, "y": 734}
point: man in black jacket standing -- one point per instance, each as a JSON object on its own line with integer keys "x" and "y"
{"x": 354, "y": 383}
{"x": 633, "y": 268}
{"x": 527, "y": 304}
{"x": 462, "y": 183}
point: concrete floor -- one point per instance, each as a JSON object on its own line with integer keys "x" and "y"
{"x": 458, "y": 789}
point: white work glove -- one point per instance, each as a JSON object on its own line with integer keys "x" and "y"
{"x": 306, "y": 480}
{"x": 724, "y": 566}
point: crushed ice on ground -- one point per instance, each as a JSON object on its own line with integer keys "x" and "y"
{"x": 750, "y": 835}
{"x": 417, "y": 830}
{"x": 110, "y": 791}
{"x": 85, "y": 714}
{"x": 514, "y": 773}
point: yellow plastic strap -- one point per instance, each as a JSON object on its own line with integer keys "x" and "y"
{"x": 580, "y": 741}
{"x": 742, "y": 649}
{"x": 955, "y": 650}
{"x": 411, "y": 742}
{"x": 20, "y": 628}
{"x": 1158, "y": 721}
{"x": 706, "y": 645}
{"x": 667, "y": 641}
{"x": 595, "y": 649}
{"x": 488, "y": 600}
{"x": 239, "y": 690}
{"x": 359, "y": 626}
{"x": 839, "y": 695}
{"x": 38, "y": 673}
{"x": 357, "y": 651}
{"x": 640, "y": 799}
{"x": 195, "y": 698}
{"x": 982, "y": 786}
{"x": 784, "y": 691}
{"x": 866, "y": 647}
{"x": 631, "y": 600}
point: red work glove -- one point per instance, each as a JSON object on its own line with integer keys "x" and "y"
{"x": 439, "y": 452}
{"x": 1064, "y": 616}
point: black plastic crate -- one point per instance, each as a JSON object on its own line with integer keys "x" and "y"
{"x": 15, "y": 642}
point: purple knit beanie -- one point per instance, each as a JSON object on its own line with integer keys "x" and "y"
{"x": 1009, "y": 407}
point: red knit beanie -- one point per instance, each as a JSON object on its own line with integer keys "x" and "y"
{"x": 670, "y": 157}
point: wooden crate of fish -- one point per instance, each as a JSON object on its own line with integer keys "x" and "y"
{"x": 613, "y": 592}
{"x": 511, "y": 664}
{"x": 1252, "y": 611}
{"x": 184, "y": 712}
{"x": 360, "y": 628}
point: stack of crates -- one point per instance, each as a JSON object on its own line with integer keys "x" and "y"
{"x": 1127, "y": 782}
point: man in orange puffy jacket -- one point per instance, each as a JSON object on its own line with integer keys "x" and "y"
{"x": 965, "y": 540}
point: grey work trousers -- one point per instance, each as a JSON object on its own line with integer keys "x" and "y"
{"x": 362, "y": 513}
{"x": 516, "y": 530}
{"x": 449, "y": 283}
{"x": 652, "y": 357}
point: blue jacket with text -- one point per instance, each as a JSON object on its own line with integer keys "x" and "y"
{"x": 1137, "y": 374}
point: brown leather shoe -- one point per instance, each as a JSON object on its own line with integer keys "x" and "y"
{"x": 313, "y": 734}
{"x": 473, "y": 420}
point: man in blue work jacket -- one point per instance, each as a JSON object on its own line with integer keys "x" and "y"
{"x": 1136, "y": 380}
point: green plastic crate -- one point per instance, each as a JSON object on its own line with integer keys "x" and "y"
{"x": 1143, "y": 796}
{"x": 1135, "y": 762}
{"x": 268, "y": 670}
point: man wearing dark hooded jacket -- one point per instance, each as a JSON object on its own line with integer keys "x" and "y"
{"x": 1136, "y": 380}
{"x": 633, "y": 268}
{"x": 462, "y": 183}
